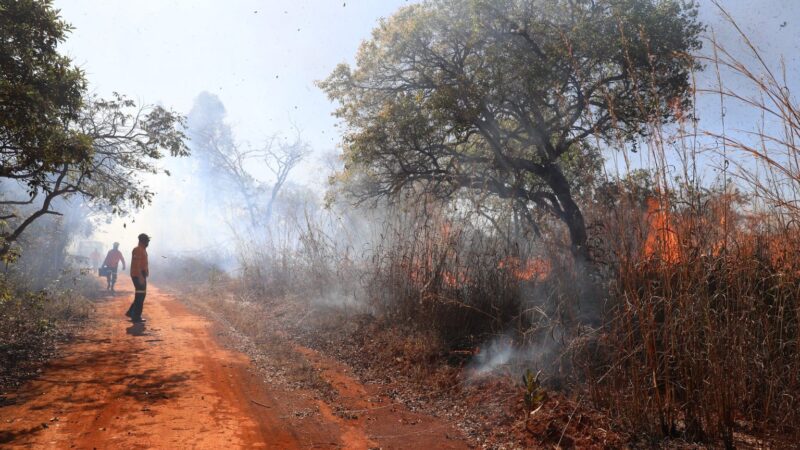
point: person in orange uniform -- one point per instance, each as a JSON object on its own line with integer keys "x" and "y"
{"x": 139, "y": 273}
{"x": 111, "y": 262}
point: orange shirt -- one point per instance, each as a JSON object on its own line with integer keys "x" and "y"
{"x": 139, "y": 267}
{"x": 113, "y": 258}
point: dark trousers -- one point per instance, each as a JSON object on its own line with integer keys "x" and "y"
{"x": 135, "y": 310}
{"x": 112, "y": 277}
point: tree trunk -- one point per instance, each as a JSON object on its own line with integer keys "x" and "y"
{"x": 572, "y": 215}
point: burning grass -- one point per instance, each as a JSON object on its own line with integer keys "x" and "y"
{"x": 467, "y": 286}
{"x": 684, "y": 327}
{"x": 701, "y": 340}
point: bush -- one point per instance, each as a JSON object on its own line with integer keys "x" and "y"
{"x": 32, "y": 322}
{"x": 702, "y": 337}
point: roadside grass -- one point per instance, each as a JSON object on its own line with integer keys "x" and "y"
{"x": 246, "y": 326}
{"x": 412, "y": 366}
{"x": 34, "y": 323}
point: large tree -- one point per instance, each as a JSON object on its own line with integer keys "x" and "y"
{"x": 229, "y": 165}
{"x": 40, "y": 93}
{"x": 55, "y": 140}
{"x": 500, "y": 95}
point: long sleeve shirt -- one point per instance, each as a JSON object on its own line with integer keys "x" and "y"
{"x": 113, "y": 259}
{"x": 139, "y": 267}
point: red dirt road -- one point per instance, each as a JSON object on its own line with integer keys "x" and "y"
{"x": 170, "y": 384}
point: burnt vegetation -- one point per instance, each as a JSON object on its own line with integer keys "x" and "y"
{"x": 485, "y": 224}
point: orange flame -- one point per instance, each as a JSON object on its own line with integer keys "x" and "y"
{"x": 536, "y": 269}
{"x": 662, "y": 239}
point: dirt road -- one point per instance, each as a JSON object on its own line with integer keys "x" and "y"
{"x": 168, "y": 383}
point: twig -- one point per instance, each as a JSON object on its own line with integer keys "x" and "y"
{"x": 351, "y": 411}
{"x": 260, "y": 404}
{"x": 577, "y": 405}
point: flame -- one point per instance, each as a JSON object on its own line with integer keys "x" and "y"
{"x": 536, "y": 269}
{"x": 455, "y": 279}
{"x": 424, "y": 269}
{"x": 662, "y": 239}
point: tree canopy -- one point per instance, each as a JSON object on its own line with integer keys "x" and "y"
{"x": 40, "y": 93}
{"x": 56, "y": 140}
{"x": 503, "y": 95}
{"x": 230, "y": 165}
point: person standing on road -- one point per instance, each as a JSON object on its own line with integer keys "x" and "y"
{"x": 111, "y": 263}
{"x": 139, "y": 274}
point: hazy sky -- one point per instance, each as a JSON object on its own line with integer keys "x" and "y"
{"x": 262, "y": 57}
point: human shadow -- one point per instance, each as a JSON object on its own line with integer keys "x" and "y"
{"x": 152, "y": 387}
{"x": 10, "y": 436}
{"x": 148, "y": 388}
{"x": 137, "y": 329}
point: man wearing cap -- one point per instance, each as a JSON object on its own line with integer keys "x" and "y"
{"x": 113, "y": 258}
{"x": 139, "y": 274}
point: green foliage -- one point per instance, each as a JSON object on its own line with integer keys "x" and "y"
{"x": 534, "y": 393}
{"x": 635, "y": 188}
{"x": 503, "y": 96}
{"x": 40, "y": 92}
{"x": 128, "y": 140}
{"x": 57, "y": 141}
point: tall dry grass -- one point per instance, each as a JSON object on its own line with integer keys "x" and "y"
{"x": 701, "y": 338}
{"x": 686, "y": 324}
{"x": 451, "y": 274}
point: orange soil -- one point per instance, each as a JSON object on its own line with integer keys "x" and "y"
{"x": 169, "y": 384}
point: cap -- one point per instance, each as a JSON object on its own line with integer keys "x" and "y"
{"x": 144, "y": 237}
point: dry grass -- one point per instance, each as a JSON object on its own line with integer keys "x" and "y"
{"x": 702, "y": 344}
{"x": 32, "y": 323}
{"x": 701, "y": 336}
{"x": 685, "y": 327}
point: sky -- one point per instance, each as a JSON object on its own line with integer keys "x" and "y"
{"x": 262, "y": 58}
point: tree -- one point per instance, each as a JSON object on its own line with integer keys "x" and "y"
{"x": 500, "y": 95}
{"x": 280, "y": 159}
{"x": 229, "y": 165}
{"x": 58, "y": 142}
{"x": 40, "y": 92}
{"x": 222, "y": 163}
{"x": 125, "y": 142}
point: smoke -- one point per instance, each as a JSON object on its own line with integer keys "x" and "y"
{"x": 501, "y": 355}
{"x": 217, "y": 200}
{"x": 497, "y": 354}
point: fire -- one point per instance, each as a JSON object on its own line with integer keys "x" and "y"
{"x": 421, "y": 276}
{"x": 430, "y": 264}
{"x": 536, "y": 269}
{"x": 662, "y": 238}
{"x": 455, "y": 279}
